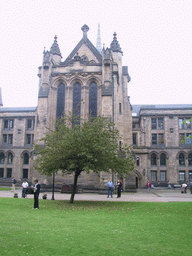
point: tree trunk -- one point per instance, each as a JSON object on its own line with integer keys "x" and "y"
{"x": 74, "y": 186}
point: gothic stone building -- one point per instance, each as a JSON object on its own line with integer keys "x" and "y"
{"x": 93, "y": 82}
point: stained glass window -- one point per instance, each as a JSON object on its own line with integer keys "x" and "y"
{"x": 76, "y": 103}
{"x": 60, "y": 100}
{"x": 93, "y": 99}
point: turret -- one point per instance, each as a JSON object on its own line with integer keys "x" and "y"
{"x": 55, "y": 52}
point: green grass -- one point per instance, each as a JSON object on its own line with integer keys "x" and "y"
{"x": 5, "y": 188}
{"x": 95, "y": 228}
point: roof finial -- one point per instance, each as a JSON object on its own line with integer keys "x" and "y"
{"x": 98, "y": 43}
{"x": 115, "y": 47}
{"x": 55, "y": 48}
{"x": 85, "y": 29}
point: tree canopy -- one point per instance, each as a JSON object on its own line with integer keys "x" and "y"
{"x": 92, "y": 145}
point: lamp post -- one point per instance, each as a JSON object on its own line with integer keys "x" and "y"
{"x": 53, "y": 187}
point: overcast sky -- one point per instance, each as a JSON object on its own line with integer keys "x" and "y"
{"x": 155, "y": 37}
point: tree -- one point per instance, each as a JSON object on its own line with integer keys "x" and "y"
{"x": 92, "y": 145}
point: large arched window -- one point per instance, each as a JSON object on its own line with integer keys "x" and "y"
{"x": 181, "y": 159}
{"x": 2, "y": 158}
{"x": 25, "y": 158}
{"x": 162, "y": 159}
{"x": 153, "y": 159}
{"x": 60, "y": 100}
{"x": 190, "y": 159}
{"x": 10, "y": 158}
{"x": 76, "y": 103}
{"x": 93, "y": 100}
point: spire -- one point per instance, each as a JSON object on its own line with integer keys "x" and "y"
{"x": 115, "y": 47}
{"x": 98, "y": 43}
{"x": 85, "y": 29}
{"x": 55, "y": 48}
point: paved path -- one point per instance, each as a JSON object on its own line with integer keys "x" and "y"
{"x": 156, "y": 195}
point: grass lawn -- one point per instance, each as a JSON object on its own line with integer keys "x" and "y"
{"x": 5, "y": 188}
{"x": 95, "y": 228}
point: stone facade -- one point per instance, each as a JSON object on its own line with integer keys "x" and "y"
{"x": 92, "y": 83}
{"x": 162, "y": 144}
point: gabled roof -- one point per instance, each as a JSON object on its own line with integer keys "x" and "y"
{"x": 88, "y": 43}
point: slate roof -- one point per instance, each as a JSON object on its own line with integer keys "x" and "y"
{"x": 136, "y": 108}
{"x": 86, "y": 41}
{"x": 21, "y": 109}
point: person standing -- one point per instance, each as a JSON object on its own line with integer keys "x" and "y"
{"x": 149, "y": 186}
{"x": 36, "y": 190}
{"x": 190, "y": 186}
{"x": 119, "y": 185}
{"x": 110, "y": 188}
{"x": 25, "y": 185}
{"x": 14, "y": 181}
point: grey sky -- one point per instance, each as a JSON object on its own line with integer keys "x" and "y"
{"x": 155, "y": 36}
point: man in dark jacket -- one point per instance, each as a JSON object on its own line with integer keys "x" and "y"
{"x": 36, "y": 189}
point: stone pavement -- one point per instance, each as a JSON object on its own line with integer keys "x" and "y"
{"x": 155, "y": 195}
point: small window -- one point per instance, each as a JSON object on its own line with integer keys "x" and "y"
{"x": 163, "y": 159}
{"x": 188, "y": 139}
{"x": 188, "y": 123}
{"x": 181, "y": 123}
{"x": 138, "y": 161}
{"x": 10, "y": 158}
{"x": 160, "y": 123}
{"x": 1, "y": 172}
{"x": 190, "y": 176}
{"x": 153, "y": 159}
{"x": 26, "y": 158}
{"x": 153, "y": 123}
{"x": 120, "y": 110}
{"x": 30, "y": 124}
{"x": 161, "y": 139}
{"x": 153, "y": 176}
{"x": 10, "y": 139}
{"x": 2, "y": 158}
{"x": 4, "y": 138}
{"x": 181, "y": 159}
{"x": 162, "y": 176}
{"x": 25, "y": 173}
{"x": 154, "y": 139}
{"x": 6, "y": 124}
{"x": 134, "y": 139}
{"x": 9, "y": 172}
{"x": 190, "y": 159}
{"x": 182, "y": 175}
{"x": 29, "y": 139}
{"x": 181, "y": 138}
{"x": 11, "y": 124}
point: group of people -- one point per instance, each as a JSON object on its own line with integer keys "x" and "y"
{"x": 110, "y": 187}
{"x": 25, "y": 186}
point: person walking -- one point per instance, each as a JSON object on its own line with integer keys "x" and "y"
{"x": 25, "y": 185}
{"x": 36, "y": 189}
{"x": 14, "y": 181}
{"x": 110, "y": 188}
{"x": 149, "y": 186}
{"x": 119, "y": 185}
